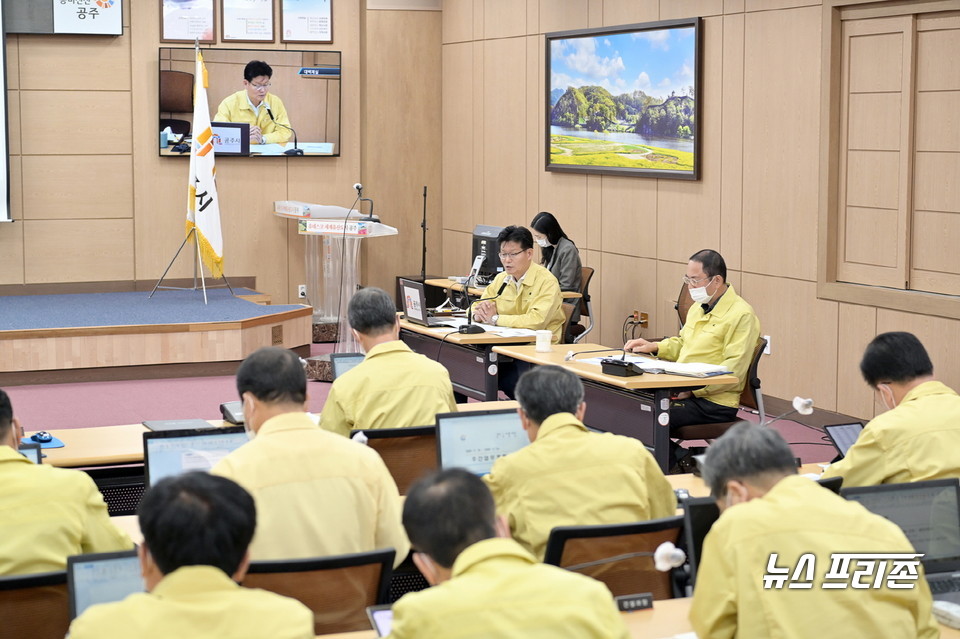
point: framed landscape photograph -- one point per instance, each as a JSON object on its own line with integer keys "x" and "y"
{"x": 625, "y": 100}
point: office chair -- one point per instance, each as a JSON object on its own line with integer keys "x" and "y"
{"x": 684, "y": 302}
{"x": 409, "y": 453}
{"x": 567, "y": 314}
{"x": 176, "y": 96}
{"x": 34, "y": 606}
{"x": 337, "y": 589}
{"x": 608, "y": 553}
{"x": 586, "y": 307}
{"x": 750, "y": 396}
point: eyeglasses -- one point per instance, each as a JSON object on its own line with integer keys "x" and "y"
{"x": 504, "y": 256}
{"x": 261, "y": 87}
{"x": 692, "y": 282}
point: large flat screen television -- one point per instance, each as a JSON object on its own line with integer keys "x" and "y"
{"x": 625, "y": 100}
{"x": 306, "y": 82}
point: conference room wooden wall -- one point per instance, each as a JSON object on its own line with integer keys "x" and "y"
{"x": 94, "y": 202}
{"x": 757, "y": 201}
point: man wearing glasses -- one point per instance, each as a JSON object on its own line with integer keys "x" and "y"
{"x": 263, "y": 111}
{"x": 721, "y": 328}
{"x": 525, "y": 295}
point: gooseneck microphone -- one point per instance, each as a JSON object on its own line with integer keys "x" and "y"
{"x": 294, "y": 150}
{"x": 471, "y": 328}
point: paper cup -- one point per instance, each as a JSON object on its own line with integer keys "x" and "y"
{"x": 543, "y": 341}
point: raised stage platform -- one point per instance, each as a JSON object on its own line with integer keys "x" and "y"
{"x": 98, "y": 336}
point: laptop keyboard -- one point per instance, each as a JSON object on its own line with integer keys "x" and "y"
{"x": 941, "y": 586}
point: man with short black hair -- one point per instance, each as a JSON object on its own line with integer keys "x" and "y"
{"x": 47, "y": 513}
{"x": 196, "y": 528}
{"x": 485, "y": 584}
{"x": 569, "y": 476}
{"x": 770, "y": 516}
{"x": 317, "y": 493}
{"x": 530, "y": 296}
{"x": 720, "y": 328}
{"x": 263, "y": 111}
{"x": 917, "y": 437}
{"x": 392, "y": 387}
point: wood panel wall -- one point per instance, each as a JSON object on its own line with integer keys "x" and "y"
{"x": 93, "y": 201}
{"x": 757, "y": 202}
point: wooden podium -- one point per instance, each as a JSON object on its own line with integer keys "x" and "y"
{"x": 333, "y": 236}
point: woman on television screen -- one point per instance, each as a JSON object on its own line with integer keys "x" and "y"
{"x": 560, "y": 256}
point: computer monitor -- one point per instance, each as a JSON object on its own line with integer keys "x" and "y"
{"x": 485, "y": 244}
{"x": 342, "y": 362}
{"x": 102, "y": 578}
{"x": 172, "y": 452}
{"x": 31, "y": 452}
{"x": 474, "y": 440}
{"x": 699, "y": 513}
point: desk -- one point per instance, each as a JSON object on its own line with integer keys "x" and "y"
{"x": 632, "y": 406}
{"x": 456, "y": 286}
{"x": 470, "y": 359}
{"x": 695, "y": 486}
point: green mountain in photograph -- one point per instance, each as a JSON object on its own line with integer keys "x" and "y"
{"x": 593, "y": 108}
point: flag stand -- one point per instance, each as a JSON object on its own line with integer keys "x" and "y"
{"x": 198, "y": 265}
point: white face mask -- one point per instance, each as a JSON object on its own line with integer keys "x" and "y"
{"x": 700, "y": 295}
{"x": 543, "y": 242}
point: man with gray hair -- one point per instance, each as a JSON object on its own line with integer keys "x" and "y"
{"x": 773, "y": 564}
{"x": 569, "y": 476}
{"x": 393, "y": 387}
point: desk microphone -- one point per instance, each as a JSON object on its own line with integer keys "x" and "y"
{"x": 294, "y": 150}
{"x": 472, "y": 328}
{"x": 570, "y": 354}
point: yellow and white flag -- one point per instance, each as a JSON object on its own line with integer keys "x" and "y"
{"x": 203, "y": 205}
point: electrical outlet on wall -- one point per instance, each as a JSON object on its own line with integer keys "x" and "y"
{"x": 766, "y": 349}
{"x": 302, "y": 291}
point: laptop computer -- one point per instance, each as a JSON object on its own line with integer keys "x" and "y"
{"x": 842, "y": 436}
{"x": 475, "y": 439}
{"x": 31, "y": 452}
{"x": 172, "y": 452}
{"x": 381, "y": 619}
{"x": 231, "y": 138}
{"x": 102, "y": 578}
{"x": 342, "y": 362}
{"x": 928, "y": 512}
{"x": 415, "y": 305}
{"x": 699, "y": 513}
{"x": 177, "y": 424}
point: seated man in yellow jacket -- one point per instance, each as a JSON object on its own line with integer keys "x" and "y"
{"x": 392, "y": 387}
{"x": 919, "y": 435}
{"x": 47, "y": 513}
{"x": 773, "y": 521}
{"x": 484, "y": 583}
{"x": 721, "y": 328}
{"x": 569, "y": 476}
{"x": 196, "y": 529}
{"x": 263, "y": 111}
{"x": 317, "y": 494}
{"x": 526, "y": 295}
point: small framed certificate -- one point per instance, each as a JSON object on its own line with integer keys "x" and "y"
{"x": 306, "y": 21}
{"x": 247, "y": 21}
{"x": 188, "y": 21}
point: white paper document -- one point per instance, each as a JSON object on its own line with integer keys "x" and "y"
{"x": 649, "y": 364}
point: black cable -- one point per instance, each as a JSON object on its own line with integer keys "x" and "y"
{"x": 343, "y": 248}
{"x": 442, "y": 340}
{"x": 807, "y": 444}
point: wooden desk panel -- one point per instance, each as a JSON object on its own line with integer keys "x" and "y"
{"x": 697, "y": 488}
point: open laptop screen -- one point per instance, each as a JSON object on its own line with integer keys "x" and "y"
{"x": 31, "y": 452}
{"x": 173, "y": 452}
{"x": 928, "y": 512}
{"x": 342, "y": 362}
{"x": 414, "y": 301}
{"x": 102, "y": 578}
{"x": 474, "y": 440}
{"x": 843, "y": 435}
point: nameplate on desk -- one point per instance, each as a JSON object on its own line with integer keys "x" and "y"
{"x": 629, "y": 603}
{"x": 357, "y": 229}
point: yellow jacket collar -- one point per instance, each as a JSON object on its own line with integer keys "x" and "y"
{"x": 558, "y": 422}
{"x": 490, "y": 549}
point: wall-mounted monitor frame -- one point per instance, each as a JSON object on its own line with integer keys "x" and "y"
{"x": 625, "y": 100}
